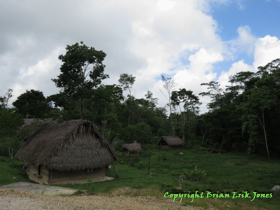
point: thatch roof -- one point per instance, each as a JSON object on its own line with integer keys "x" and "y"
{"x": 31, "y": 125}
{"x": 132, "y": 147}
{"x": 170, "y": 140}
{"x": 72, "y": 145}
{"x": 29, "y": 121}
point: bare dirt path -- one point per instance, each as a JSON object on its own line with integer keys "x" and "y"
{"x": 10, "y": 200}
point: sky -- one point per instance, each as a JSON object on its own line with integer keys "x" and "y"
{"x": 190, "y": 41}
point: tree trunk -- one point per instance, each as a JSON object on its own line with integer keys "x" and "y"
{"x": 203, "y": 134}
{"x": 171, "y": 117}
{"x": 264, "y": 130}
{"x": 104, "y": 122}
{"x": 82, "y": 107}
{"x": 265, "y": 137}
{"x": 182, "y": 122}
{"x": 162, "y": 120}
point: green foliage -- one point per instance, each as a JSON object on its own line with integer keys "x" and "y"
{"x": 4, "y": 100}
{"x": 103, "y": 104}
{"x": 9, "y": 144}
{"x": 126, "y": 81}
{"x": 11, "y": 171}
{"x": 195, "y": 175}
{"x": 114, "y": 139}
{"x": 89, "y": 180}
{"x": 119, "y": 153}
{"x": 32, "y": 103}
{"x": 80, "y": 62}
{"x": 10, "y": 122}
{"x": 244, "y": 116}
{"x": 140, "y": 132}
{"x": 225, "y": 173}
{"x": 141, "y": 164}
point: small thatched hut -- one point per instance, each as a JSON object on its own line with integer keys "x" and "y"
{"x": 132, "y": 149}
{"x": 70, "y": 152}
{"x": 170, "y": 142}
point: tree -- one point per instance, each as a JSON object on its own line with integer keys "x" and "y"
{"x": 126, "y": 81}
{"x": 81, "y": 71}
{"x": 102, "y": 101}
{"x": 9, "y": 119}
{"x": 10, "y": 122}
{"x": 190, "y": 104}
{"x": 257, "y": 102}
{"x": 140, "y": 132}
{"x": 152, "y": 101}
{"x": 168, "y": 85}
{"x": 32, "y": 103}
{"x": 5, "y": 99}
{"x": 215, "y": 93}
{"x": 261, "y": 97}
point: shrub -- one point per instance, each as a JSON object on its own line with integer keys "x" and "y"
{"x": 141, "y": 164}
{"x": 9, "y": 142}
{"x": 194, "y": 175}
{"x": 141, "y": 132}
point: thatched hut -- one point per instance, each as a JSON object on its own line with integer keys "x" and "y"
{"x": 71, "y": 152}
{"x": 132, "y": 149}
{"x": 170, "y": 142}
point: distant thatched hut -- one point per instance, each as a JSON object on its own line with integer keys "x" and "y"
{"x": 31, "y": 125}
{"x": 70, "y": 152}
{"x": 170, "y": 142}
{"x": 29, "y": 121}
{"x": 132, "y": 149}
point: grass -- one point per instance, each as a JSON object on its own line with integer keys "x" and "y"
{"x": 225, "y": 173}
{"x": 11, "y": 171}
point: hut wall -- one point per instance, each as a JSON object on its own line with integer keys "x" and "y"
{"x": 164, "y": 147}
{"x": 33, "y": 174}
{"x": 131, "y": 153}
{"x": 176, "y": 147}
{"x": 65, "y": 177}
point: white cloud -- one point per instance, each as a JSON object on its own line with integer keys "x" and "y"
{"x": 235, "y": 68}
{"x": 145, "y": 38}
{"x": 267, "y": 49}
{"x": 244, "y": 43}
{"x": 199, "y": 71}
{"x": 169, "y": 31}
{"x": 246, "y": 40}
{"x": 38, "y": 76}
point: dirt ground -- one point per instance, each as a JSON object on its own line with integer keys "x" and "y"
{"x": 11, "y": 200}
{"x": 38, "y": 189}
{"x": 31, "y": 196}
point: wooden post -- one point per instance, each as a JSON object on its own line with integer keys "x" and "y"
{"x": 149, "y": 166}
{"x": 181, "y": 181}
{"x": 50, "y": 180}
{"x": 116, "y": 170}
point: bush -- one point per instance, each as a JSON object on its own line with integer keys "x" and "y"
{"x": 9, "y": 142}
{"x": 141, "y": 132}
{"x": 10, "y": 122}
{"x": 194, "y": 175}
{"x": 141, "y": 164}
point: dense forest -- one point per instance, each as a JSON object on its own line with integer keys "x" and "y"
{"x": 243, "y": 117}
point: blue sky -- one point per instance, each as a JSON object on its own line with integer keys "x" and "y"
{"x": 192, "y": 41}
{"x": 260, "y": 15}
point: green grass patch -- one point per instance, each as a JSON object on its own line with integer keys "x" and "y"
{"x": 11, "y": 171}
{"x": 221, "y": 173}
